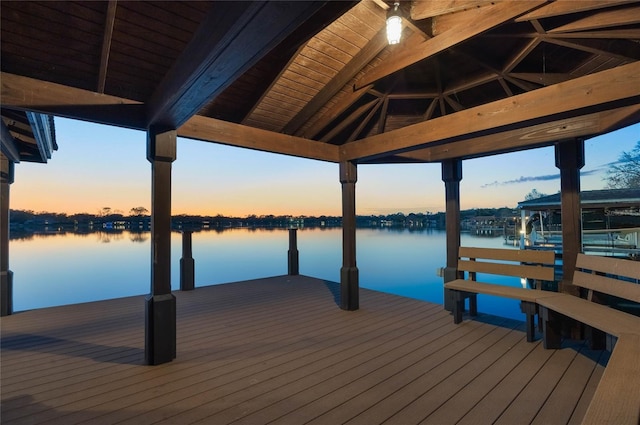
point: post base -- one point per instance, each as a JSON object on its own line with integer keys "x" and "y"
{"x": 187, "y": 274}
{"x": 160, "y": 329}
{"x": 293, "y": 263}
{"x": 349, "y": 288}
{"x": 6, "y": 293}
{"x": 449, "y": 274}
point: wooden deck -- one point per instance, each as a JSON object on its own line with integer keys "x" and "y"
{"x": 280, "y": 351}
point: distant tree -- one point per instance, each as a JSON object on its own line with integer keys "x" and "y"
{"x": 625, "y": 174}
{"x": 20, "y": 216}
{"x": 104, "y": 211}
{"x": 534, "y": 194}
{"x": 138, "y": 211}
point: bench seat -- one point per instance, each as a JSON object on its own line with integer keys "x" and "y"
{"x": 602, "y": 317}
{"x": 463, "y": 288}
{"x": 617, "y": 397}
{"x": 522, "y": 294}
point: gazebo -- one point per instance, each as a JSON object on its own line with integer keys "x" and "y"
{"x": 319, "y": 80}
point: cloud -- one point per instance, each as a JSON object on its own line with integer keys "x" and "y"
{"x": 523, "y": 179}
{"x": 542, "y": 178}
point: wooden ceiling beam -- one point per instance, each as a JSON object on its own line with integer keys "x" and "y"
{"x": 505, "y": 87}
{"x": 382, "y": 121}
{"x": 524, "y": 85}
{"x": 630, "y": 54}
{"x": 429, "y": 9}
{"x": 227, "y": 133}
{"x": 603, "y": 19}
{"x": 537, "y": 26}
{"x": 346, "y": 74}
{"x": 624, "y": 33}
{"x": 110, "y": 19}
{"x": 354, "y": 135}
{"x": 444, "y": 23}
{"x": 431, "y": 109}
{"x": 604, "y": 90}
{"x": 502, "y": 74}
{"x": 544, "y": 79}
{"x": 529, "y": 137}
{"x": 627, "y": 33}
{"x": 349, "y": 120}
{"x": 29, "y": 94}
{"x": 231, "y": 38}
{"x": 343, "y": 103}
{"x": 454, "y": 105}
{"x": 469, "y": 83}
{"x": 409, "y": 96}
{"x": 522, "y": 53}
{"x": 443, "y": 109}
{"x": 326, "y": 115}
{"x": 471, "y": 25}
{"x": 563, "y": 7}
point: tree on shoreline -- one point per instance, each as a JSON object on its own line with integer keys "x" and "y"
{"x": 138, "y": 211}
{"x": 625, "y": 173}
{"x": 534, "y": 194}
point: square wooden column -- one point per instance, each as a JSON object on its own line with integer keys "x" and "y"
{"x": 6, "y": 276}
{"x": 570, "y": 159}
{"x": 451, "y": 176}
{"x": 349, "y": 285}
{"x": 160, "y": 324}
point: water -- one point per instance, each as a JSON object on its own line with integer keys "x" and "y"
{"x": 57, "y": 269}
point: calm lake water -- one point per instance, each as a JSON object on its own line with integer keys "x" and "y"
{"x": 59, "y": 269}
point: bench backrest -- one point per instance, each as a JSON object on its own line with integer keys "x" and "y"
{"x": 590, "y": 270}
{"x": 531, "y": 264}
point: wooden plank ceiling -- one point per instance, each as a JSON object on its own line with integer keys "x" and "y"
{"x": 318, "y": 80}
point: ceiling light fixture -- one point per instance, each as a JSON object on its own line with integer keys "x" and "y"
{"x": 394, "y": 24}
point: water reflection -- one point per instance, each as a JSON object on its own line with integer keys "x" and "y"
{"x": 86, "y": 266}
{"x": 139, "y": 237}
{"x": 102, "y": 236}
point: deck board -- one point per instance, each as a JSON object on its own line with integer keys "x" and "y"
{"x": 563, "y": 400}
{"x": 279, "y": 350}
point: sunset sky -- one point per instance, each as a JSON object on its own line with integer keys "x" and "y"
{"x": 98, "y": 166}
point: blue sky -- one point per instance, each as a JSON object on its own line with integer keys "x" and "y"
{"x": 98, "y": 166}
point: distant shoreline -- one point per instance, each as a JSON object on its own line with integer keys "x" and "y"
{"x": 26, "y": 224}
{"x": 31, "y": 221}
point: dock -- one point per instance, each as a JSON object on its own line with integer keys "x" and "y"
{"x": 280, "y": 351}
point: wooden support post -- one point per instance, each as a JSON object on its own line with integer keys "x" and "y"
{"x": 530, "y": 309}
{"x": 551, "y": 328}
{"x": 6, "y": 275}
{"x": 451, "y": 176}
{"x": 293, "y": 263}
{"x": 160, "y": 335}
{"x": 187, "y": 264}
{"x": 570, "y": 159}
{"x": 349, "y": 285}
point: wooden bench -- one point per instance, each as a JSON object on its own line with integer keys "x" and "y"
{"x": 530, "y": 264}
{"x": 599, "y": 279}
{"x": 617, "y": 397}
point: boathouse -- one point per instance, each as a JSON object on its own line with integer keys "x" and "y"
{"x": 610, "y": 222}
{"x": 319, "y": 80}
